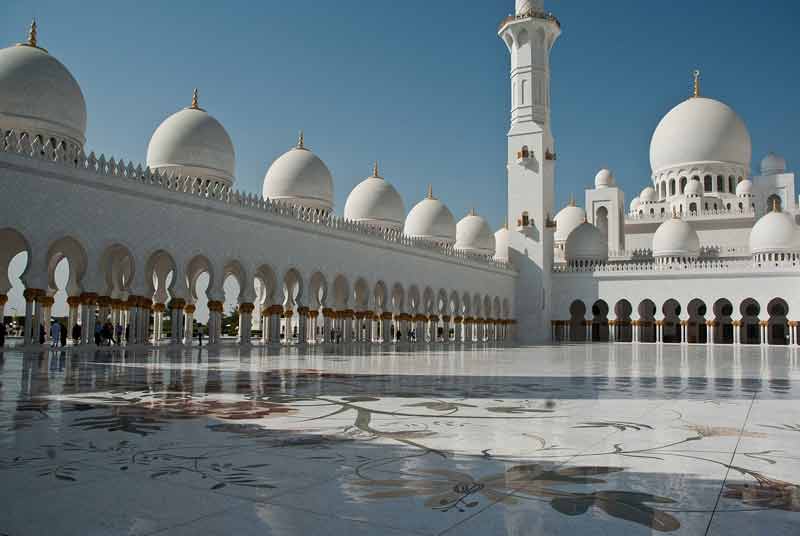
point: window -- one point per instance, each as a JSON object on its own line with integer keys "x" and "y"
{"x": 672, "y": 187}
{"x": 720, "y": 183}
{"x": 693, "y": 208}
{"x": 706, "y": 183}
{"x": 731, "y": 184}
{"x": 683, "y": 184}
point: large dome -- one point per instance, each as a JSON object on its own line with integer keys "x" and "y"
{"x": 586, "y": 243}
{"x": 675, "y": 238}
{"x": 474, "y": 235}
{"x": 192, "y": 143}
{"x": 375, "y": 201}
{"x": 299, "y": 177}
{"x": 775, "y": 232}
{"x": 431, "y": 220}
{"x": 700, "y": 130}
{"x": 38, "y": 95}
{"x": 567, "y": 219}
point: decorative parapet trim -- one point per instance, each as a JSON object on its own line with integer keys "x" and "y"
{"x": 66, "y": 154}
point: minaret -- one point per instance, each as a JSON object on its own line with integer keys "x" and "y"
{"x": 529, "y": 35}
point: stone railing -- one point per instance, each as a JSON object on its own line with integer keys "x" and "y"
{"x": 69, "y": 156}
{"x": 734, "y": 212}
{"x": 684, "y": 266}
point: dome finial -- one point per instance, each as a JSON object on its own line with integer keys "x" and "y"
{"x": 375, "y": 170}
{"x": 430, "y": 192}
{"x": 301, "y": 141}
{"x": 696, "y": 87}
{"x": 472, "y": 212}
{"x": 195, "y": 105}
{"x": 33, "y": 40}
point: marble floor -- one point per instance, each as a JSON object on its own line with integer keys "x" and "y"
{"x": 600, "y": 439}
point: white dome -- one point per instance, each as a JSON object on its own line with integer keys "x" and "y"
{"x": 772, "y": 164}
{"x": 502, "y": 242}
{"x": 38, "y": 95}
{"x": 693, "y": 188}
{"x": 775, "y": 232}
{"x": 604, "y": 179}
{"x": 634, "y": 206}
{"x": 567, "y": 219}
{"x": 431, "y": 220}
{"x": 474, "y": 235}
{"x": 299, "y": 177}
{"x": 648, "y": 195}
{"x": 586, "y": 243}
{"x": 700, "y": 130}
{"x": 375, "y": 201}
{"x": 192, "y": 143}
{"x": 675, "y": 238}
{"x": 745, "y": 187}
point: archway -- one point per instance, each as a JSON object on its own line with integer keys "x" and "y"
{"x": 774, "y": 201}
{"x": 600, "y": 321}
{"x": 577, "y": 317}
{"x": 671, "y": 325}
{"x": 723, "y": 332}
{"x": 601, "y": 220}
{"x": 361, "y": 304}
{"x": 647, "y": 324}
{"x": 696, "y": 328}
{"x": 265, "y": 284}
{"x": 292, "y": 300}
{"x": 778, "y": 324}
{"x": 622, "y": 312}
{"x": 750, "y": 330}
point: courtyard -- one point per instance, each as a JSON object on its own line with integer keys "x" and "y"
{"x": 571, "y": 439}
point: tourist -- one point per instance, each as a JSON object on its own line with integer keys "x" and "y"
{"x": 128, "y": 333}
{"x": 55, "y": 334}
{"x": 63, "y": 331}
{"x": 2, "y": 334}
{"x": 118, "y": 333}
{"x": 106, "y": 333}
{"x": 41, "y": 334}
{"x": 98, "y": 332}
{"x": 76, "y": 334}
{"x": 200, "y": 335}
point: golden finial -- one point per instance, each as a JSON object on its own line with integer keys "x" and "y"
{"x": 301, "y": 141}
{"x": 696, "y": 88}
{"x": 375, "y": 170}
{"x": 33, "y": 40}
{"x": 430, "y": 192}
{"x": 195, "y": 105}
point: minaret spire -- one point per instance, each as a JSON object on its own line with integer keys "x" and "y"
{"x": 375, "y": 170}
{"x": 195, "y": 105}
{"x": 301, "y": 141}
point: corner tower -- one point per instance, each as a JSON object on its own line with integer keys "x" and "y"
{"x": 529, "y": 35}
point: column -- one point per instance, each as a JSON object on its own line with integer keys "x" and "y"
{"x": 302, "y": 325}
{"x": 358, "y": 324}
{"x": 587, "y": 330}
{"x": 73, "y": 302}
{"x": 246, "y": 323}
{"x": 124, "y": 318}
{"x": 288, "y": 322}
{"x": 737, "y": 336}
{"x": 764, "y": 331}
{"x": 327, "y": 324}
{"x": 88, "y": 302}
{"x": 369, "y": 319}
{"x": 47, "y": 310}
{"x": 433, "y": 328}
{"x": 710, "y": 329}
{"x": 176, "y": 306}
{"x": 386, "y": 327}
{"x": 792, "y": 333}
{"x": 635, "y": 330}
{"x": 660, "y": 331}
{"x": 159, "y": 309}
{"x": 146, "y": 308}
{"x": 684, "y": 331}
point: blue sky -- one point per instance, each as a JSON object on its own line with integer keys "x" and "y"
{"x": 422, "y": 86}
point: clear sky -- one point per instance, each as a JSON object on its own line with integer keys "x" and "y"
{"x": 422, "y": 86}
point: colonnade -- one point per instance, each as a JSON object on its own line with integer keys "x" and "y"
{"x": 138, "y": 320}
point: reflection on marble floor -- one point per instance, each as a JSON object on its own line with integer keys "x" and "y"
{"x": 626, "y": 439}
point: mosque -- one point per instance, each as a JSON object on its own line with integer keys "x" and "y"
{"x": 707, "y": 253}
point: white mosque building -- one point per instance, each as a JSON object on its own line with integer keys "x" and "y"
{"x": 706, "y": 254}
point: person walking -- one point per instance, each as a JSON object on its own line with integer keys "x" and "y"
{"x": 63, "y": 331}
{"x": 118, "y": 333}
{"x": 98, "y": 331}
{"x": 55, "y": 334}
{"x": 200, "y": 335}
{"x": 76, "y": 334}
{"x": 2, "y": 334}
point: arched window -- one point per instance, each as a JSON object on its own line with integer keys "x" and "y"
{"x": 662, "y": 211}
{"x": 731, "y": 184}
{"x": 706, "y": 206}
{"x": 652, "y": 212}
{"x": 741, "y": 207}
{"x": 728, "y": 206}
{"x": 720, "y": 183}
{"x": 672, "y": 187}
{"x": 601, "y": 220}
{"x": 663, "y": 190}
{"x": 683, "y": 184}
{"x": 772, "y": 201}
{"x": 706, "y": 183}
{"x": 693, "y": 208}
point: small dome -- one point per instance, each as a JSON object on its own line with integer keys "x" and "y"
{"x": 603, "y": 179}
{"x": 192, "y": 143}
{"x": 634, "y": 206}
{"x": 775, "y": 232}
{"x": 567, "y": 219}
{"x": 772, "y": 164}
{"x": 745, "y": 187}
{"x": 693, "y": 188}
{"x": 586, "y": 243}
{"x": 675, "y": 238}
{"x": 700, "y": 130}
{"x": 375, "y": 201}
{"x": 648, "y": 195}
{"x": 430, "y": 219}
{"x": 299, "y": 177}
{"x": 38, "y": 95}
{"x": 474, "y": 235}
{"x": 502, "y": 242}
